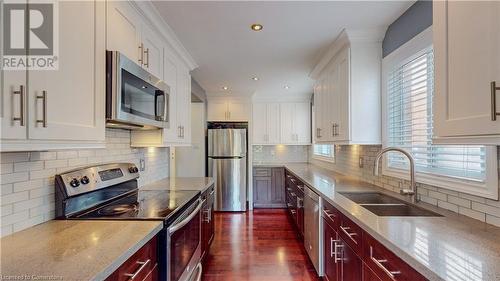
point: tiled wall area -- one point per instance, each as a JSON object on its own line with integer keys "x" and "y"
{"x": 280, "y": 153}
{"x": 27, "y": 178}
{"x": 346, "y": 162}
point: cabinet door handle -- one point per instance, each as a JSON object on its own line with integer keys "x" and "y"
{"x": 178, "y": 131}
{"x": 380, "y": 264}
{"x": 349, "y": 234}
{"x": 329, "y": 215}
{"x": 319, "y": 132}
{"x": 182, "y": 131}
{"x": 143, "y": 264}
{"x": 22, "y": 100}
{"x": 337, "y": 245}
{"x": 146, "y": 61}
{"x": 229, "y": 114}
{"x": 494, "y": 90}
{"x": 43, "y": 97}
{"x": 141, "y": 50}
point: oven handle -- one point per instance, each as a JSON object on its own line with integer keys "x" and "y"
{"x": 158, "y": 109}
{"x": 185, "y": 221}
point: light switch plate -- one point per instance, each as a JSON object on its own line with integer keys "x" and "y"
{"x": 361, "y": 162}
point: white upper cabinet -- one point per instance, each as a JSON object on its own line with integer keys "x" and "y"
{"x": 266, "y": 123}
{"x": 467, "y": 61}
{"x": 152, "y": 47}
{"x": 63, "y": 108}
{"x": 123, "y": 28}
{"x": 228, "y": 109}
{"x": 295, "y": 123}
{"x": 347, "y": 99}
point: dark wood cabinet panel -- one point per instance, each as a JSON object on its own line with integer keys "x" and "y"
{"x": 143, "y": 264}
{"x": 351, "y": 266}
{"x": 207, "y": 220}
{"x": 277, "y": 184}
{"x": 268, "y": 188}
{"x": 369, "y": 275}
{"x": 330, "y": 264}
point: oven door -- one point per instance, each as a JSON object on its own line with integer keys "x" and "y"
{"x": 136, "y": 97}
{"x": 184, "y": 244}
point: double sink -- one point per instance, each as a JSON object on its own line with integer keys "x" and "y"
{"x": 385, "y": 206}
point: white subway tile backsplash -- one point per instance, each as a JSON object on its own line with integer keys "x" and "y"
{"x": 27, "y": 180}
{"x": 346, "y": 162}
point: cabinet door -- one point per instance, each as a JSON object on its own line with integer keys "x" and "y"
{"x": 217, "y": 110}
{"x": 238, "y": 110}
{"x": 287, "y": 116}
{"x": 152, "y": 51}
{"x": 319, "y": 108}
{"x": 273, "y": 123}
{"x": 277, "y": 187}
{"x": 261, "y": 192}
{"x": 74, "y": 103}
{"x": 172, "y": 133}
{"x": 342, "y": 94}
{"x": 302, "y": 123}
{"x": 183, "y": 101}
{"x": 259, "y": 118}
{"x": 123, "y": 28}
{"x": 13, "y": 105}
{"x": 330, "y": 264}
{"x": 466, "y": 61}
{"x": 351, "y": 266}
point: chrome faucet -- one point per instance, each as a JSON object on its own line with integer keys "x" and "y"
{"x": 413, "y": 184}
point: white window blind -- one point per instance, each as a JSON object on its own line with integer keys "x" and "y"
{"x": 323, "y": 150}
{"x": 409, "y": 119}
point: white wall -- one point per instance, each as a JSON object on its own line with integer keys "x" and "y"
{"x": 27, "y": 178}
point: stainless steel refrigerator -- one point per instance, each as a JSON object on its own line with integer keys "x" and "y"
{"x": 227, "y": 164}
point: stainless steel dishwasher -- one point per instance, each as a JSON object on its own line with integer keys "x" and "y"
{"x": 313, "y": 234}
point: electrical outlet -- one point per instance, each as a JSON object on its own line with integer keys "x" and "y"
{"x": 142, "y": 164}
{"x": 361, "y": 162}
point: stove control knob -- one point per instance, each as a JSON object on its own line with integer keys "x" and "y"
{"x": 74, "y": 182}
{"x": 85, "y": 180}
{"x": 133, "y": 169}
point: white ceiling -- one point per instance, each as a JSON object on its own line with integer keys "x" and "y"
{"x": 295, "y": 34}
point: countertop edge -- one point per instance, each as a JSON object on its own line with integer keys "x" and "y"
{"x": 419, "y": 267}
{"x": 125, "y": 256}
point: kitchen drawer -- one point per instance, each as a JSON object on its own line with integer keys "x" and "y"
{"x": 351, "y": 233}
{"x": 261, "y": 172}
{"x": 385, "y": 264}
{"x": 331, "y": 215}
{"x": 142, "y": 264}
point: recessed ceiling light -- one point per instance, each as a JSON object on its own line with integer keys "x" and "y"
{"x": 255, "y": 78}
{"x": 225, "y": 88}
{"x": 286, "y": 87}
{"x": 256, "y": 27}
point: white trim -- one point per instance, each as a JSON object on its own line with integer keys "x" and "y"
{"x": 488, "y": 188}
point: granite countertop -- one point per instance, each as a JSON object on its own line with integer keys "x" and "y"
{"x": 73, "y": 250}
{"x": 180, "y": 183}
{"x": 452, "y": 247}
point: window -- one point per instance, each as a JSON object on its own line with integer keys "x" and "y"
{"x": 409, "y": 88}
{"x": 324, "y": 152}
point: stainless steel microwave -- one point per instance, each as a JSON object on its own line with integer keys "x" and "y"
{"x": 135, "y": 99}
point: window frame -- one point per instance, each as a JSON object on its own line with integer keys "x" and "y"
{"x": 330, "y": 158}
{"x": 487, "y": 189}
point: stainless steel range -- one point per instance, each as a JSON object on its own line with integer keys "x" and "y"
{"x": 110, "y": 192}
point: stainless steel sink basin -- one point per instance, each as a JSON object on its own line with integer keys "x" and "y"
{"x": 371, "y": 198}
{"x": 387, "y": 206}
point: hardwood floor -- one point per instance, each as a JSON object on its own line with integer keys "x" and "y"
{"x": 259, "y": 245}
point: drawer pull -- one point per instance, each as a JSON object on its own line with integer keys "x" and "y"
{"x": 143, "y": 264}
{"x": 349, "y": 234}
{"x": 494, "y": 112}
{"x": 329, "y": 215}
{"x": 293, "y": 194}
{"x": 380, "y": 262}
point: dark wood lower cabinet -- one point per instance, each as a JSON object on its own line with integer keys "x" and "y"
{"x": 207, "y": 220}
{"x": 359, "y": 256}
{"x": 142, "y": 265}
{"x": 268, "y": 187}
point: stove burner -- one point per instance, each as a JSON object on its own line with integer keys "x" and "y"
{"x": 120, "y": 209}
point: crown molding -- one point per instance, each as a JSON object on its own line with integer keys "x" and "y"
{"x": 347, "y": 37}
{"x": 151, "y": 14}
